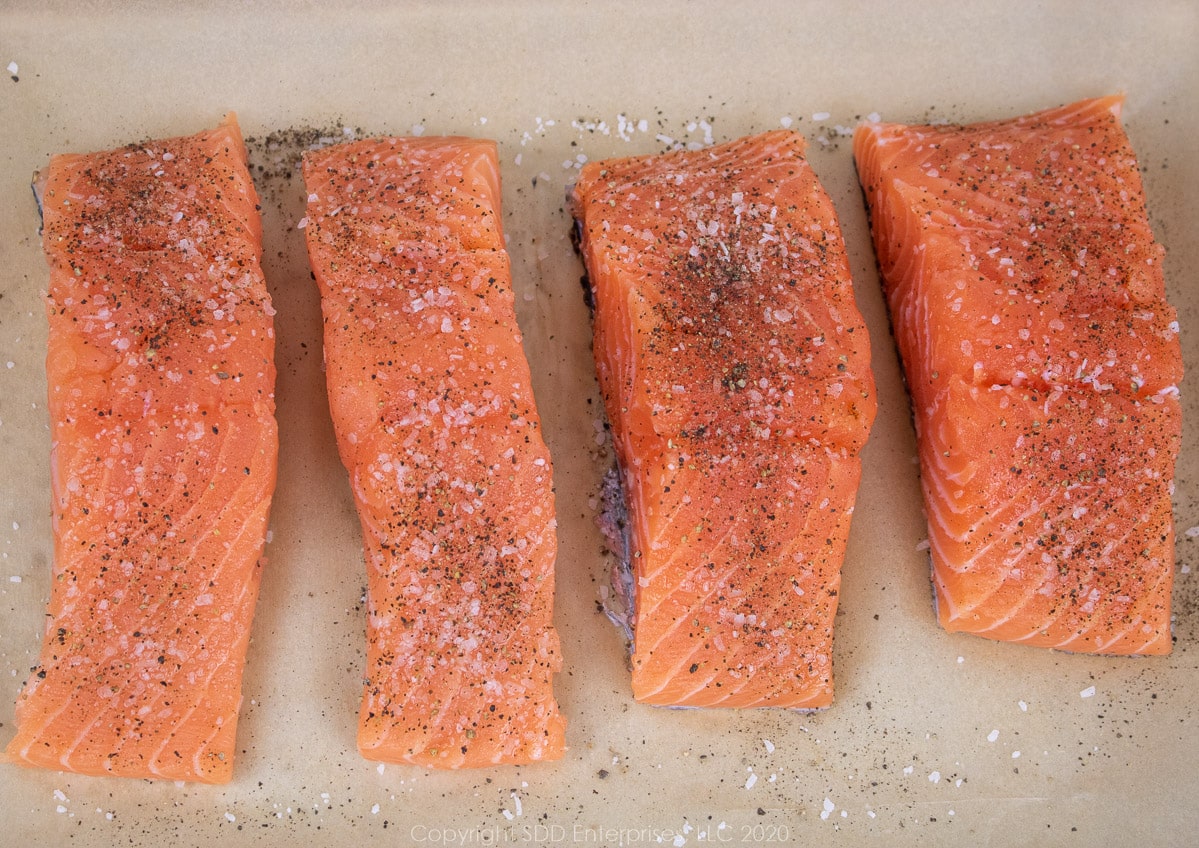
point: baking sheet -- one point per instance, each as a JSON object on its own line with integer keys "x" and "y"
{"x": 934, "y": 739}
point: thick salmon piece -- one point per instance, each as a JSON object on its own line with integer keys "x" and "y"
{"x": 1027, "y": 298}
{"x": 735, "y": 369}
{"x": 164, "y": 447}
{"x": 435, "y": 418}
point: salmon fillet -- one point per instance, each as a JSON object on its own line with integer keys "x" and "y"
{"x": 164, "y": 447}
{"x": 1028, "y": 303}
{"x": 433, "y": 408}
{"x": 735, "y": 370}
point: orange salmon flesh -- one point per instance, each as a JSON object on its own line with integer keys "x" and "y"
{"x": 164, "y": 449}
{"x": 735, "y": 369}
{"x": 1027, "y": 299}
{"x": 433, "y": 408}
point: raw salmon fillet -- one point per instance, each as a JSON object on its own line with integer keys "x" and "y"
{"x": 436, "y": 423}
{"x": 164, "y": 447}
{"x": 1027, "y": 299}
{"x": 735, "y": 370}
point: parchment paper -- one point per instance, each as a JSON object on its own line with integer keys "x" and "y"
{"x": 934, "y": 739}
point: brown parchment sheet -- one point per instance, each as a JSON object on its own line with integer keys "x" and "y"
{"x": 934, "y": 739}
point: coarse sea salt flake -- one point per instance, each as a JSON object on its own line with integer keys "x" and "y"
{"x": 1089, "y": 692}
{"x": 1192, "y": 532}
{"x": 12, "y": 67}
{"x": 821, "y": 116}
{"x": 993, "y": 735}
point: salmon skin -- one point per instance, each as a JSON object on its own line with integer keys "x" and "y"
{"x": 735, "y": 370}
{"x": 164, "y": 450}
{"x": 433, "y": 409}
{"x": 1027, "y": 298}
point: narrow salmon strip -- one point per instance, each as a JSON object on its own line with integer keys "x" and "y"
{"x": 1028, "y": 303}
{"x": 435, "y": 419}
{"x": 735, "y": 369}
{"x": 164, "y": 449}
